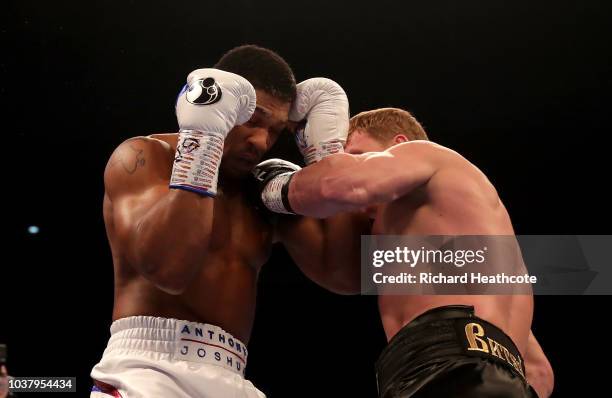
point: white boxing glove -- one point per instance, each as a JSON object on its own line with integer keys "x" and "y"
{"x": 207, "y": 108}
{"x": 324, "y": 106}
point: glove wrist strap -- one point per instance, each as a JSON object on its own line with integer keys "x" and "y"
{"x": 196, "y": 162}
{"x": 275, "y": 195}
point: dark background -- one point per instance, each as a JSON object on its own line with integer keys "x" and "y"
{"x": 520, "y": 88}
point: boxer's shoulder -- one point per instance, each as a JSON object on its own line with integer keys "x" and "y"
{"x": 158, "y": 145}
{"x": 447, "y": 164}
{"x": 426, "y": 151}
{"x": 139, "y": 161}
{"x": 426, "y": 156}
{"x": 166, "y": 141}
{"x": 459, "y": 182}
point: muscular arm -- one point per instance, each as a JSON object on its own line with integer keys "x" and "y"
{"x": 326, "y": 251}
{"x": 162, "y": 233}
{"x": 539, "y": 372}
{"x": 343, "y": 182}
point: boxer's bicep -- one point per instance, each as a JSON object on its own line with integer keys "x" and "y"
{"x": 128, "y": 212}
{"x": 398, "y": 171}
{"x": 326, "y": 251}
{"x": 378, "y": 177}
{"x": 303, "y": 240}
{"x": 133, "y": 184}
{"x": 342, "y": 237}
{"x": 344, "y": 183}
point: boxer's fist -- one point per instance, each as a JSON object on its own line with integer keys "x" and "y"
{"x": 214, "y": 101}
{"x": 210, "y": 104}
{"x": 324, "y": 107}
{"x": 273, "y": 177}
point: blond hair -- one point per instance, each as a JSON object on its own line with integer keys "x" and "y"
{"x": 385, "y": 123}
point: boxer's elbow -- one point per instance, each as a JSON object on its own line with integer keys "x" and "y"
{"x": 172, "y": 268}
{"x": 337, "y": 283}
{"x": 167, "y": 254}
{"x": 346, "y": 287}
{"x": 170, "y": 275}
{"x": 170, "y": 282}
{"x": 341, "y": 277}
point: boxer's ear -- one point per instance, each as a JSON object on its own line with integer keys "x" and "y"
{"x": 399, "y": 138}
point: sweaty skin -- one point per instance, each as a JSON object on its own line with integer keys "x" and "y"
{"x": 180, "y": 255}
{"x": 419, "y": 188}
{"x": 423, "y": 189}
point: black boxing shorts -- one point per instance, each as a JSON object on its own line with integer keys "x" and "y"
{"x": 449, "y": 352}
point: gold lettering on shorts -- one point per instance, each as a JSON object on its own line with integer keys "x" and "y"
{"x": 506, "y": 353}
{"x": 503, "y": 353}
{"x": 494, "y": 347}
{"x": 474, "y": 332}
{"x": 519, "y": 366}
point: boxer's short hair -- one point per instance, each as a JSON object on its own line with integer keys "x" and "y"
{"x": 385, "y": 123}
{"x": 263, "y": 68}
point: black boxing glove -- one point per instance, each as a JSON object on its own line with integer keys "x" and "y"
{"x": 273, "y": 177}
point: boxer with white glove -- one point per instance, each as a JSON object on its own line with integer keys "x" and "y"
{"x": 186, "y": 256}
{"x": 321, "y": 108}
{"x": 210, "y": 104}
{"x": 321, "y": 111}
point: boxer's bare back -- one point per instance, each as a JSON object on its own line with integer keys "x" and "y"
{"x": 457, "y": 200}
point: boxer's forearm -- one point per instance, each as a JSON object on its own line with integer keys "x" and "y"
{"x": 307, "y": 190}
{"x": 343, "y": 182}
{"x": 170, "y": 240}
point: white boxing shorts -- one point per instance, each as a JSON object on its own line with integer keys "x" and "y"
{"x": 158, "y": 357}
